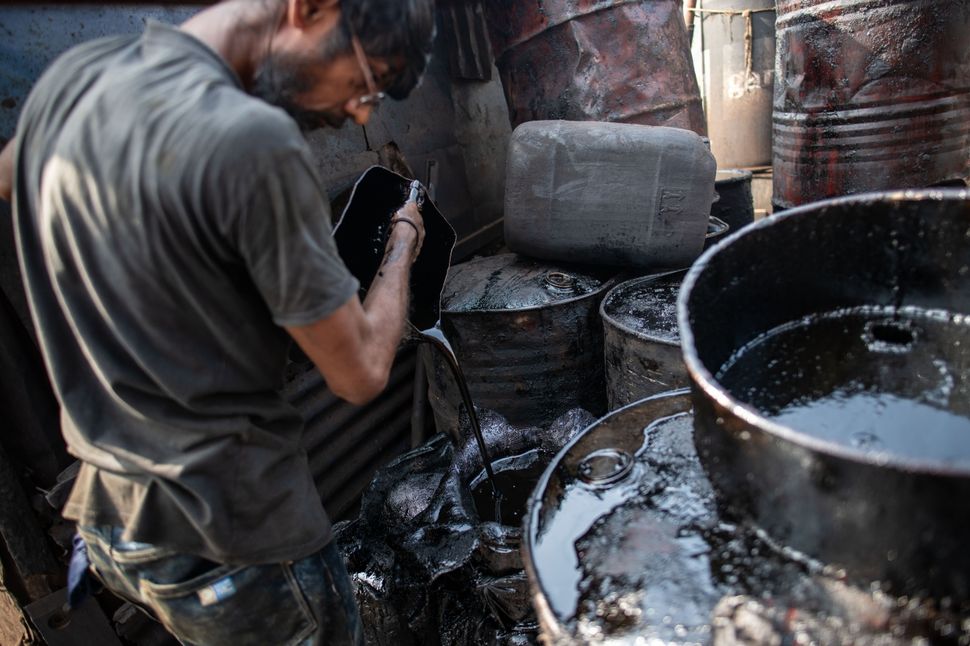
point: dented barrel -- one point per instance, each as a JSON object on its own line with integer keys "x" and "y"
{"x": 596, "y": 60}
{"x": 527, "y": 336}
{"x": 869, "y": 96}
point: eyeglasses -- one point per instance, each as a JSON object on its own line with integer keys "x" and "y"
{"x": 373, "y": 96}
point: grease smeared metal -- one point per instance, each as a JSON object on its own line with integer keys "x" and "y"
{"x": 606, "y": 60}
{"x": 869, "y": 96}
{"x": 527, "y": 336}
{"x": 737, "y": 69}
{"x": 428, "y": 565}
{"x": 890, "y": 271}
{"x": 650, "y": 559}
{"x": 641, "y": 339}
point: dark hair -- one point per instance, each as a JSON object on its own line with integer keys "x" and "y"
{"x": 398, "y": 31}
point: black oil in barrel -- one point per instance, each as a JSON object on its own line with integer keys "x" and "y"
{"x": 516, "y": 477}
{"x": 625, "y": 543}
{"x": 883, "y": 380}
{"x": 436, "y": 339}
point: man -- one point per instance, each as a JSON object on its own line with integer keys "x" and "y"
{"x": 170, "y": 227}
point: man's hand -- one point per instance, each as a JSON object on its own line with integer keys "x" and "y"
{"x": 6, "y": 171}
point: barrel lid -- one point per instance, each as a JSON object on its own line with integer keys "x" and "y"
{"x": 513, "y": 282}
{"x": 646, "y": 307}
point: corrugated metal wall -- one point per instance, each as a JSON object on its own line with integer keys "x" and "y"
{"x": 456, "y": 130}
{"x": 346, "y": 443}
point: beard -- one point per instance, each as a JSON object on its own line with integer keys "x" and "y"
{"x": 277, "y": 83}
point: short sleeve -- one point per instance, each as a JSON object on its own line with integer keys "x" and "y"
{"x": 284, "y": 237}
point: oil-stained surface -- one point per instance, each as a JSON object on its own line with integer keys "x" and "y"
{"x": 510, "y": 282}
{"x": 527, "y": 336}
{"x": 869, "y": 96}
{"x": 596, "y": 60}
{"x": 641, "y": 338}
{"x": 428, "y": 568}
{"x": 648, "y": 559}
{"x": 878, "y": 380}
{"x": 895, "y": 514}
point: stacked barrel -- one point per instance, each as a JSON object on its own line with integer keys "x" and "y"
{"x": 871, "y": 95}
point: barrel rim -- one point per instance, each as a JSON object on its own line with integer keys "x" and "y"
{"x": 548, "y": 619}
{"x": 709, "y": 387}
{"x": 642, "y": 336}
{"x": 735, "y": 176}
{"x": 607, "y": 285}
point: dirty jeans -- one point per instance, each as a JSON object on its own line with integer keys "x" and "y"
{"x": 202, "y": 603}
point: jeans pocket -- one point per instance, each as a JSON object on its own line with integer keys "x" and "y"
{"x": 236, "y": 606}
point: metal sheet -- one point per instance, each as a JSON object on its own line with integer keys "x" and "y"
{"x": 620, "y": 60}
{"x": 869, "y": 96}
{"x": 346, "y": 444}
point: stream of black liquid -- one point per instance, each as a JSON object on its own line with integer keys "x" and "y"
{"x": 436, "y": 339}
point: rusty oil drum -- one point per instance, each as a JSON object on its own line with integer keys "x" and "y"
{"x": 869, "y": 96}
{"x": 624, "y": 61}
{"x": 528, "y": 337}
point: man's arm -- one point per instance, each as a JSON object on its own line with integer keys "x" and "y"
{"x": 355, "y": 346}
{"x": 6, "y": 171}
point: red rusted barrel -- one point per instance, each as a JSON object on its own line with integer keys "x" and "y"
{"x": 869, "y": 95}
{"x": 596, "y": 60}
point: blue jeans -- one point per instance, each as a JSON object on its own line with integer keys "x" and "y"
{"x": 203, "y": 603}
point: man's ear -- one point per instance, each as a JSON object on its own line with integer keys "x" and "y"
{"x": 304, "y": 13}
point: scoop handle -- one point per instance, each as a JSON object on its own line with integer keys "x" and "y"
{"x": 416, "y": 193}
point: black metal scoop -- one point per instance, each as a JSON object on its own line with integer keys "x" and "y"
{"x": 361, "y": 235}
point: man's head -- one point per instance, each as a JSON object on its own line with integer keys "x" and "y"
{"x": 327, "y": 59}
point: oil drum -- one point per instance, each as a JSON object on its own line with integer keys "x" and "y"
{"x": 737, "y": 66}
{"x": 624, "y": 543}
{"x": 624, "y": 61}
{"x": 527, "y": 336}
{"x": 869, "y": 96}
{"x": 827, "y": 353}
{"x": 735, "y": 203}
{"x": 640, "y": 338}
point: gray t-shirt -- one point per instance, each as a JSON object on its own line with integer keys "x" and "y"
{"x": 168, "y": 224}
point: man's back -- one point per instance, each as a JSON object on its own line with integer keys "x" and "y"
{"x": 168, "y": 224}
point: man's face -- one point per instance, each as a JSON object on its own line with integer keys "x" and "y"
{"x": 317, "y": 88}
